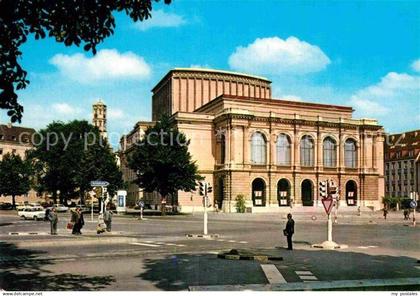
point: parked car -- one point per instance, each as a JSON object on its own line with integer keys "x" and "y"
{"x": 6, "y": 206}
{"x": 36, "y": 213}
{"x": 60, "y": 208}
{"x": 21, "y": 206}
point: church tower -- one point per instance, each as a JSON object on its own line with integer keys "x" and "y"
{"x": 99, "y": 117}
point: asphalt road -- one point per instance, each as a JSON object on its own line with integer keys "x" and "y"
{"x": 155, "y": 254}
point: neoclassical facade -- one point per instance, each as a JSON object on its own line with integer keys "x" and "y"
{"x": 272, "y": 151}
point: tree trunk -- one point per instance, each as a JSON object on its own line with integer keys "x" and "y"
{"x": 13, "y": 202}
{"x": 54, "y": 197}
{"x": 163, "y": 205}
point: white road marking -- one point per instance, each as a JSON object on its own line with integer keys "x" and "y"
{"x": 272, "y": 274}
{"x": 231, "y": 241}
{"x": 308, "y": 277}
{"x": 146, "y": 245}
{"x": 243, "y": 242}
{"x": 366, "y": 247}
{"x": 418, "y": 266}
{"x": 303, "y": 272}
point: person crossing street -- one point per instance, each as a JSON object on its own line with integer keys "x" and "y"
{"x": 289, "y": 231}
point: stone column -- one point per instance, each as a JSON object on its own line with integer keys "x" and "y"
{"x": 228, "y": 144}
{"x": 232, "y": 144}
{"x": 246, "y": 159}
{"x": 374, "y": 161}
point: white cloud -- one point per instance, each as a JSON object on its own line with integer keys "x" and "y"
{"x": 416, "y": 65}
{"x": 199, "y": 66}
{"x": 115, "y": 113}
{"x": 291, "y": 98}
{"x": 107, "y": 64}
{"x": 161, "y": 19}
{"x": 274, "y": 56}
{"x": 64, "y": 108}
{"x": 396, "y": 92}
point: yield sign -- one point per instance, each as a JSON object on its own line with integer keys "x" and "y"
{"x": 327, "y": 202}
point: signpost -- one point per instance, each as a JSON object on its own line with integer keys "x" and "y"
{"x": 204, "y": 189}
{"x": 103, "y": 185}
{"x": 328, "y": 192}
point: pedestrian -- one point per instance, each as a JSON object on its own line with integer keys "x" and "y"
{"x": 73, "y": 220}
{"x": 47, "y": 214}
{"x": 406, "y": 214}
{"x": 53, "y": 217}
{"x": 289, "y": 231}
{"x": 80, "y": 221}
{"x": 108, "y": 218}
{"x": 385, "y": 212}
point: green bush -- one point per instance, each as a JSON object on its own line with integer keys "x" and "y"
{"x": 240, "y": 203}
{"x": 392, "y": 202}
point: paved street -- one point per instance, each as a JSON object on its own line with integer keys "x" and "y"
{"x": 155, "y": 254}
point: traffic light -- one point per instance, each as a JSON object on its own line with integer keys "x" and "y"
{"x": 202, "y": 188}
{"x": 323, "y": 186}
{"x": 209, "y": 188}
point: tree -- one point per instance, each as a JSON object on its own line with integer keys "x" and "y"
{"x": 162, "y": 162}
{"x": 14, "y": 176}
{"x": 70, "y": 155}
{"x": 75, "y": 22}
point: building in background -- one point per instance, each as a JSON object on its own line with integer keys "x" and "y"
{"x": 127, "y": 144}
{"x": 402, "y": 164}
{"x": 99, "y": 117}
{"x": 273, "y": 151}
{"x": 16, "y": 140}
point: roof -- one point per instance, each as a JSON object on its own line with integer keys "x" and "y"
{"x": 279, "y": 102}
{"x": 407, "y": 140}
{"x": 10, "y": 133}
{"x": 205, "y": 70}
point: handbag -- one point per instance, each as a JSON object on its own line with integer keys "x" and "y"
{"x": 69, "y": 225}
{"x": 285, "y": 232}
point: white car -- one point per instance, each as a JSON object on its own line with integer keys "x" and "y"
{"x": 36, "y": 213}
{"x": 59, "y": 208}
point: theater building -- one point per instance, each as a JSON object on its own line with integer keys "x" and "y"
{"x": 272, "y": 151}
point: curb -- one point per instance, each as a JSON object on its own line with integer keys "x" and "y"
{"x": 249, "y": 257}
{"x": 362, "y": 285}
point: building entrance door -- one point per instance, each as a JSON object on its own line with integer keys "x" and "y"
{"x": 258, "y": 193}
{"x": 220, "y": 195}
{"x": 283, "y": 193}
{"x": 351, "y": 193}
{"x": 307, "y": 193}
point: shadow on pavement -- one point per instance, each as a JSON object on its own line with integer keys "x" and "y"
{"x": 20, "y": 270}
{"x": 178, "y": 272}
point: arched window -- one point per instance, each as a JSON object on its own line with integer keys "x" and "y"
{"x": 306, "y": 151}
{"x": 258, "y": 149}
{"x": 330, "y": 153}
{"x": 283, "y": 150}
{"x": 350, "y": 156}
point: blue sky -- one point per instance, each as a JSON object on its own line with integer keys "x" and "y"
{"x": 362, "y": 54}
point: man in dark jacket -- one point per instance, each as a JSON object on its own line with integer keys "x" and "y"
{"x": 53, "y": 217}
{"x": 289, "y": 231}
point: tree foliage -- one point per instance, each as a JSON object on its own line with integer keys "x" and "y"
{"x": 72, "y": 22}
{"x": 14, "y": 176}
{"x": 162, "y": 162}
{"x": 70, "y": 155}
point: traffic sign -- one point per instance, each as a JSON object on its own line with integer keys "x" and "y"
{"x": 327, "y": 203}
{"x": 98, "y": 183}
{"x": 413, "y": 204}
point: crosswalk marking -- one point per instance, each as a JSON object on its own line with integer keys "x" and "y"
{"x": 272, "y": 274}
{"x": 303, "y": 272}
{"x": 308, "y": 277}
{"x": 367, "y": 247}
